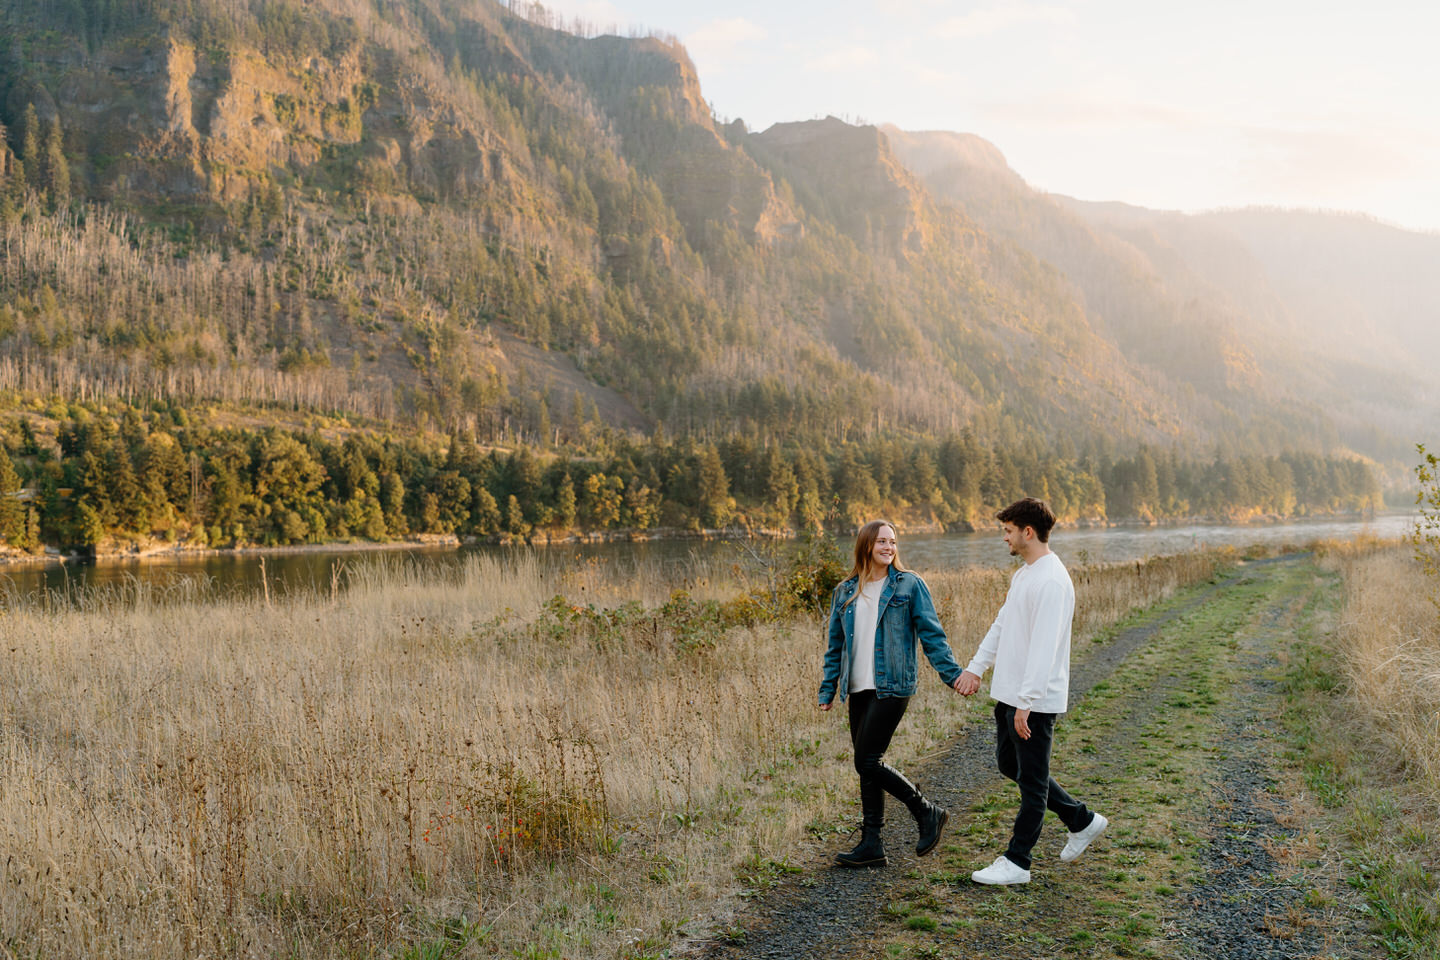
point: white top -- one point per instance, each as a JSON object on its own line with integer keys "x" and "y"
{"x": 862, "y": 652}
{"x": 1029, "y": 642}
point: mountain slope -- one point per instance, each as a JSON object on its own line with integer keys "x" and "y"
{"x": 1210, "y": 308}
{"x": 441, "y": 213}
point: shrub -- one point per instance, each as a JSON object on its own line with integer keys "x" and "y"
{"x": 1426, "y": 537}
{"x": 815, "y": 570}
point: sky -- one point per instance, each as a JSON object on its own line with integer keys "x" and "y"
{"x": 1161, "y": 103}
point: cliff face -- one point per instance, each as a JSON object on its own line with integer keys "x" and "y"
{"x": 851, "y": 175}
{"x": 651, "y": 92}
{"x": 161, "y": 122}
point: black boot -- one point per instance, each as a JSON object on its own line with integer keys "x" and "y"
{"x": 930, "y": 820}
{"x": 869, "y": 852}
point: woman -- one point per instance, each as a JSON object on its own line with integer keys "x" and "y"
{"x": 875, "y": 618}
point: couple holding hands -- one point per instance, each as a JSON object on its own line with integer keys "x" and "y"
{"x": 876, "y": 617}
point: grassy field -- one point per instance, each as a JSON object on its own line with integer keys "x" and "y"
{"x": 489, "y": 761}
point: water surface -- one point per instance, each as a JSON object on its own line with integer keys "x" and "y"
{"x": 322, "y": 570}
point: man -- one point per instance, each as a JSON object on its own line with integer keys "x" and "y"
{"x": 1029, "y": 646}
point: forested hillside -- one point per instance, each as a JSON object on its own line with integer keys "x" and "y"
{"x": 443, "y": 220}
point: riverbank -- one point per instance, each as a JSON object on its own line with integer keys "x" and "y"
{"x": 161, "y": 551}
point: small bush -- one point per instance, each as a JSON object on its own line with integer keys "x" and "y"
{"x": 815, "y": 570}
{"x": 1427, "y": 526}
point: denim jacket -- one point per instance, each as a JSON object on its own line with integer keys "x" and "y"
{"x": 906, "y": 614}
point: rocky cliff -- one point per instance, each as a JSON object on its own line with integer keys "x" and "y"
{"x": 849, "y": 175}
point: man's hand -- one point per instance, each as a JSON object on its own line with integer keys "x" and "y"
{"x": 826, "y": 706}
{"x": 1022, "y": 724}
{"x": 967, "y": 683}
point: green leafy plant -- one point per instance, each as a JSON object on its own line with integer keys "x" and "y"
{"x": 814, "y": 571}
{"x": 1426, "y": 537}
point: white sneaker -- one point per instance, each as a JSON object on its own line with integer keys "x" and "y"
{"x": 1079, "y": 841}
{"x": 1002, "y": 872}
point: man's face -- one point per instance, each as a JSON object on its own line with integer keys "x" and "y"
{"x": 1014, "y": 538}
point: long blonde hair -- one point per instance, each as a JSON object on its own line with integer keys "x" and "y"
{"x": 864, "y": 547}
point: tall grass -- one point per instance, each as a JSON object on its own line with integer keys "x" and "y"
{"x": 1389, "y": 640}
{"x": 457, "y": 758}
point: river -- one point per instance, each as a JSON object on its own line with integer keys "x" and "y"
{"x": 281, "y": 573}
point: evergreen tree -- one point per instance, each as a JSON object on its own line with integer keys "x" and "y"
{"x": 93, "y": 485}
{"x": 54, "y": 168}
{"x": 782, "y": 490}
{"x": 854, "y": 484}
{"x": 712, "y": 488}
{"x": 30, "y": 143}
{"x": 515, "y": 517}
{"x": 641, "y": 505}
{"x": 12, "y": 510}
{"x": 392, "y": 503}
{"x": 565, "y": 504}
{"x": 485, "y": 513}
{"x": 126, "y": 492}
{"x": 453, "y": 494}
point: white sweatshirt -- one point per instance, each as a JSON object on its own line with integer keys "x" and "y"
{"x": 1029, "y": 642}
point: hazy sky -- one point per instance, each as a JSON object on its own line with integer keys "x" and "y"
{"x": 1170, "y": 105}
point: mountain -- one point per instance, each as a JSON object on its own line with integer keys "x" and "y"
{"x": 1276, "y": 318}
{"x": 1365, "y": 289}
{"x": 440, "y": 213}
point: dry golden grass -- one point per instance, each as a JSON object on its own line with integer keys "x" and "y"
{"x": 340, "y": 775}
{"x": 1389, "y": 641}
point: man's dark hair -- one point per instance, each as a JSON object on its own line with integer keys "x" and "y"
{"x": 1030, "y": 512}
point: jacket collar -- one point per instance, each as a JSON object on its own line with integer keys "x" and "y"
{"x": 891, "y": 575}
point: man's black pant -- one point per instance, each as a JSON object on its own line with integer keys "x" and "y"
{"x": 1027, "y": 762}
{"x": 872, "y": 723}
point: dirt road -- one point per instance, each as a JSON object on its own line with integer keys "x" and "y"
{"x": 1171, "y": 734}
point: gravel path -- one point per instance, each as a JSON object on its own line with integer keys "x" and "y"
{"x": 1251, "y": 906}
{"x": 830, "y": 912}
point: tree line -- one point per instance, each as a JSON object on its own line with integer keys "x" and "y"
{"x": 83, "y": 475}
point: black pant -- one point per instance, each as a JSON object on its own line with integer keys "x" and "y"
{"x": 1027, "y": 762}
{"x": 872, "y": 723}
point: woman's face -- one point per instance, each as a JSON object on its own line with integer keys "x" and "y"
{"x": 882, "y": 553}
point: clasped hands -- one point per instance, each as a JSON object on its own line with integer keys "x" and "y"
{"x": 968, "y": 683}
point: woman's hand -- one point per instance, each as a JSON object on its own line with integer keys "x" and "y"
{"x": 826, "y": 706}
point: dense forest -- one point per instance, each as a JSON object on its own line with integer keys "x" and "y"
{"x": 550, "y": 291}
{"x": 114, "y": 474}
